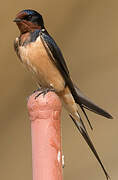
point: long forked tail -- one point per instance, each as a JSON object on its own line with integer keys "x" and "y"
{"x": 80, "y": 126}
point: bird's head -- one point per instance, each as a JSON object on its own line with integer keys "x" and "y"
{"x": 28, "y": 20}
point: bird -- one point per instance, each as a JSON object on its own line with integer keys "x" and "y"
{"x": 39, "y": 52}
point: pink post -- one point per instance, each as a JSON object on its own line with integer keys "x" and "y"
{"x": 44, "y": 113}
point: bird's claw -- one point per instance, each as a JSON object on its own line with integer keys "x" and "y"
{"x": 43, "y": 91}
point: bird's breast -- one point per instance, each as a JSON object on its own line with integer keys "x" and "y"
{"x": 36, "y": 58}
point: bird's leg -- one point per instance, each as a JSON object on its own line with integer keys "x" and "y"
{"x": 43, "y": 91}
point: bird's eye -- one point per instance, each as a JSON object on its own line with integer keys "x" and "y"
{"x": 28, "y": 18}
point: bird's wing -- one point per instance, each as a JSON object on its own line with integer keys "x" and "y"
{"x": 59, "y": 61}
{"x": 56, "y": 52}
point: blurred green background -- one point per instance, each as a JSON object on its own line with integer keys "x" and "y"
{"x": 87, "y": 33}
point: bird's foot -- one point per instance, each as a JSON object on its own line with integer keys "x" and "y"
{"x": 43, "y": 91}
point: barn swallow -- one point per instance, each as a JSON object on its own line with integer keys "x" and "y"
{"x": 39, "y": 52}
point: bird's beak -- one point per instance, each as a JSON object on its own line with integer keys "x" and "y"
{"x": 17, "y": 20}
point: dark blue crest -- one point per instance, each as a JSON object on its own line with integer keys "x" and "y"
{"x": 31, "y": 12}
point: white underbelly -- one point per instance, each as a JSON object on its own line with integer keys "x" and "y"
{"x": 35, "y": 57}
